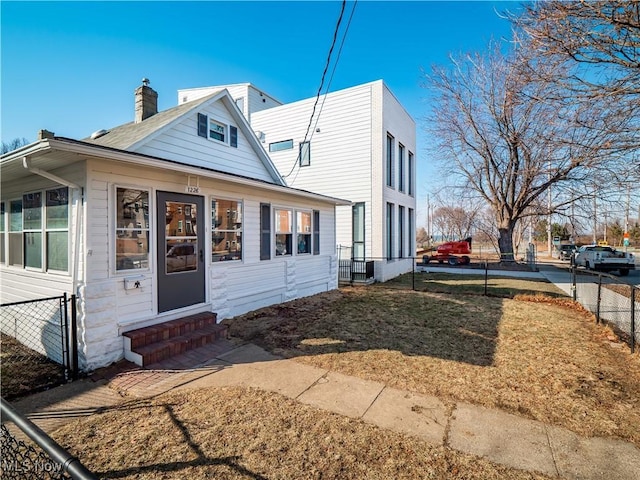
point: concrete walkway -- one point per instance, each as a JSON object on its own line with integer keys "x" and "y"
{"x": 493, "y": 434}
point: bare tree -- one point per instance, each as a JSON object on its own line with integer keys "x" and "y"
{"x": 511, "y": 135}
{"x": 601, "y": 42}
{"x": 13, "y": 145}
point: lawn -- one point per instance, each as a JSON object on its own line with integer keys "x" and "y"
{"x": 532, "y": 354}
{"x": 526, "y": 349}
{"x": 237, "y": 433}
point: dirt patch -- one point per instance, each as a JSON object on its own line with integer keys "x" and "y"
{"x": 237, "y": 433}
{"x": 543, "y": 359}
{"x": 25, "y": 371}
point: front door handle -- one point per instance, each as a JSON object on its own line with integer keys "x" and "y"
{"x": 201, "y": 256}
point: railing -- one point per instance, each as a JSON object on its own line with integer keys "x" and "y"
{"x": 38, "y": 333}
{"x": 42, "y": 459}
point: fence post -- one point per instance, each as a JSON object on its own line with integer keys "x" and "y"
{"x": 73, "y": 340}
{"x": 486, "y": 276}
{"x": 599, "y": 297}
{"x": 64, "y": 330}
{"x": 633, "y": 319}
{"x": 413, "y": 274}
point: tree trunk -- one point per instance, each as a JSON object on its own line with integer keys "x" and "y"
{"x": 505, "y": 243}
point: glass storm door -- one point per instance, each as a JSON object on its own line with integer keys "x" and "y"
{"x": 181, "y": 278}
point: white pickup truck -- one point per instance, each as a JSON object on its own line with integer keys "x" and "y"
{"x": 604, "y": 259}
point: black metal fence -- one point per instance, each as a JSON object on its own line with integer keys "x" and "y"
{"x": 38, "y": 457}
{"x": 39, "y": 332}
{"x": 611, "y": 300}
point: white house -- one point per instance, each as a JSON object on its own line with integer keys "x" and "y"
{"x": 176, "y": 214}
{"x": 360, "y": 144}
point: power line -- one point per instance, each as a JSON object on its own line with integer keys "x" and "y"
{"x": 324, "y": 98}
{"x": 324, "y": 73}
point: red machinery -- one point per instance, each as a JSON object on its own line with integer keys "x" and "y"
{"x": 454, "y": 253}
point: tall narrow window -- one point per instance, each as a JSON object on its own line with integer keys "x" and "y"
{"x": 390, "y": 166}
{"x": 389, "y": 231}
{"x": 265, "y": 231}
{"x": 401, "y": 168}
{"x": 411, "y": 174}
{"x": 401, "y": 234}
{"x": 358, "y": 231}
{"x": 2, "y": 229}
{"x": 411, "y": 229}
{"x": 132, "y": 228}
{"x": 303, "y": 229}
{"x": 32, "y": 228}
{"x": 57, "y": 229}
{"x": 316, "y": 232}
{"x": 226, "y": 230}
{"x": 284, "y": 232}
{"x": 15, "y": 233}
{"x": 233, "y": 136}
{"x": 305, "y": 154}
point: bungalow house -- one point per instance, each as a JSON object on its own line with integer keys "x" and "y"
{"x": 358, "y": 143}
{"x": 177, "y": 214}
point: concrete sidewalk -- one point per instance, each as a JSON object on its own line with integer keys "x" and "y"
{"x": 493, "y": 434}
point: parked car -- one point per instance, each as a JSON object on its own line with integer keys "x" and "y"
{"x": 604, "y": 259}
{"x": 565, "y": 251}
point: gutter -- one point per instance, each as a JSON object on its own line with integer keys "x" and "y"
{"x": 26, "y": 163}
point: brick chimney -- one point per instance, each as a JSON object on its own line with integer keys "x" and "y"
{"x": 42, "y": 134}
{"x": 146, "y": 101}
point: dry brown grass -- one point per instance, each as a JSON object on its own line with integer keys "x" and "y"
{"x": 25, "y": 371}
{"x": 235, "y": 433}
{"x": 536, "y": 356}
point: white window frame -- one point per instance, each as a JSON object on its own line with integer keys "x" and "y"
{"x": 137, "y": 227}
{"x": 225, "y": 130}
{"x": 308, "y": 234}
{"x": 239, "y": 232}
{"x": 289, "y": 246}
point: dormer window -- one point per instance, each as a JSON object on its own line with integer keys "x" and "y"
{"x": 215, "y": 130}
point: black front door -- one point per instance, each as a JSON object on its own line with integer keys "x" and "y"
{"x": 181, "y": 276}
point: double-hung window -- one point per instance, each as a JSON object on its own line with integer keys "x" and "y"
{"x": 57, "y": 229}
{"x": 400, "y": 231}
{"x": 15, "y": 233}
{"x": 132, "y": 229}
{"x": 358, "y": 231}
{"x": 226, "y": 230}
{"x": 213, "y": 129}
{"x": 284, "y": 231}
{"x": 303, "y": 229}
{"x": 32, "y": 229}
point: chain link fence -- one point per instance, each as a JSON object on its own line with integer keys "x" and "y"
{"x": 37, "y": 457}
{"x": 39, "y": 344}
{"x": 611, "y": 300}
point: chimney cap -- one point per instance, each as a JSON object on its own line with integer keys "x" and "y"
{"x": 145, "y": 82}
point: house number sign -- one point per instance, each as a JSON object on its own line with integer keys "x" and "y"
{"x": 192, "y": 189}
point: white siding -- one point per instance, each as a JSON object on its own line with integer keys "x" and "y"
{"x": 232, "y": 287}
{"x": 348, "y": 157}
{"x": 182, "y": 143}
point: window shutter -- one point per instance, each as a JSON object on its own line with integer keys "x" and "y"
{"x": 265, "y": 231}
{"x": 233, "y": 136}
{"x": 316, "y": 232}
{"x": 202, "y": 125}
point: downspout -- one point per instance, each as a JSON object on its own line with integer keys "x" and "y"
{"x": 78, "y": 208}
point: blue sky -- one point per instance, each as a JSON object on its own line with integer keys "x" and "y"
{"x": 72, "y": 67}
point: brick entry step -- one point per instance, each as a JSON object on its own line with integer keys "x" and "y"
{"x": 148, "y": 345}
